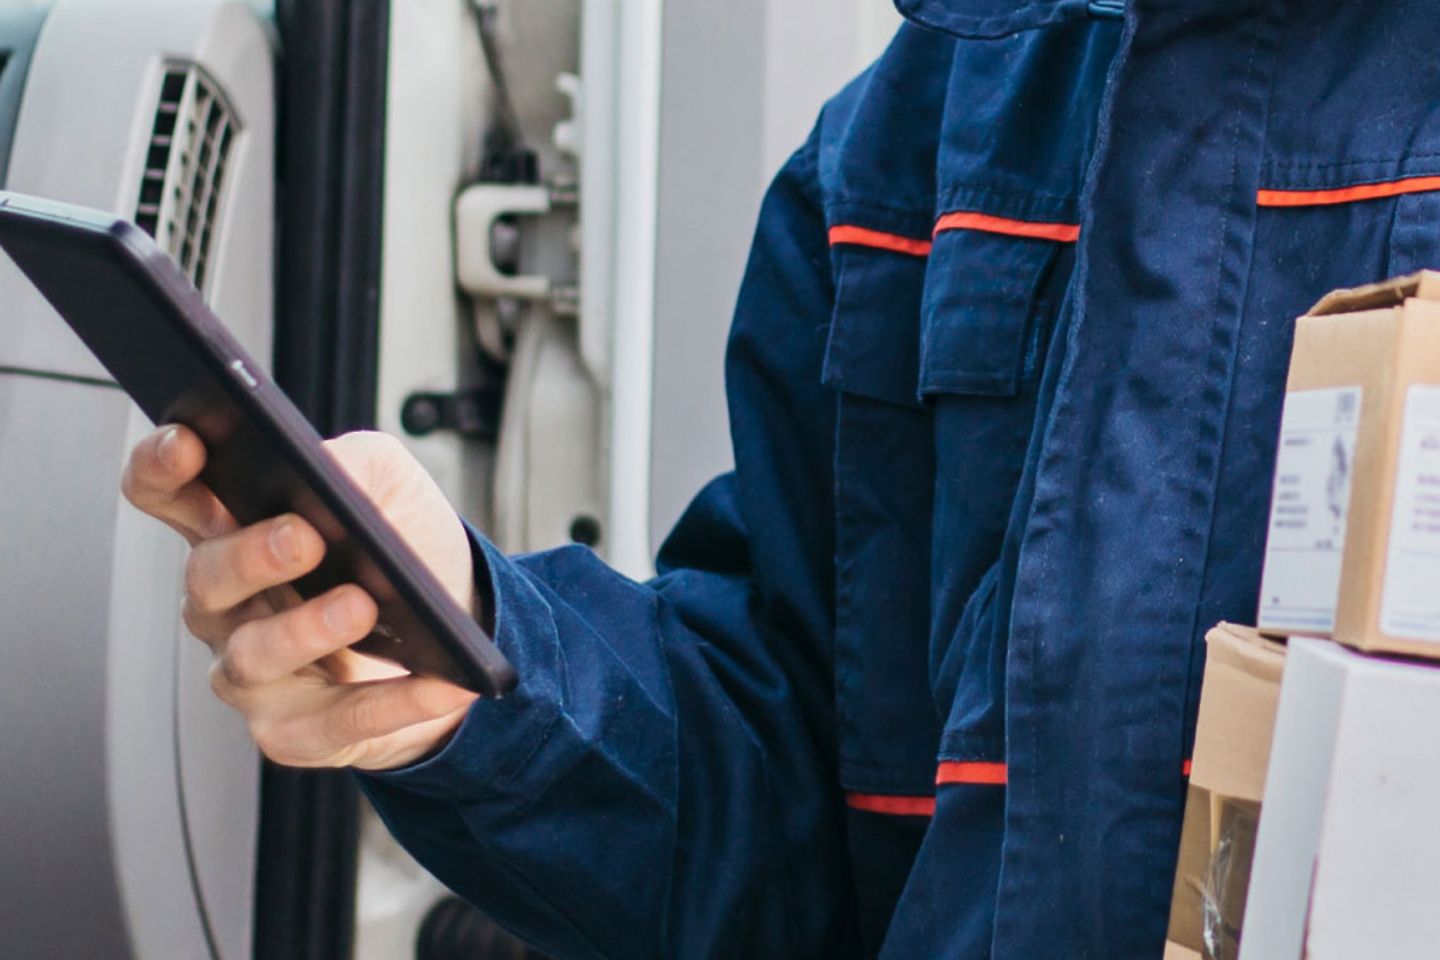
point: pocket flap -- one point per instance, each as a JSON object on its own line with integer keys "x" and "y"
{"x": 981, "y": 291}
{"x": 874, "y": 345}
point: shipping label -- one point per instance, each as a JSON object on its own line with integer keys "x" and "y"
{"x": 1410, "y": 601}
{"x": 1314, "y": 466}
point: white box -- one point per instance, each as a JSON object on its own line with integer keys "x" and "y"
{"x": 1347, "y": 861}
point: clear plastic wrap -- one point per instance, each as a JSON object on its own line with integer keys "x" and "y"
{"x": 1227, "y": 876}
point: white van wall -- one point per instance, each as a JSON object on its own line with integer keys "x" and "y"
{"x": 741, "y": 87}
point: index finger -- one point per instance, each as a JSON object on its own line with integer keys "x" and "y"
{"x": 160, "y": 478}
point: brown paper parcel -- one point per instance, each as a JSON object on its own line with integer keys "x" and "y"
{"x": 1238, "y": 698}
{"x": 1353, "y": 549}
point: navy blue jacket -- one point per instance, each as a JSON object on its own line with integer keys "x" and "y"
{"x": 919, "y": 678}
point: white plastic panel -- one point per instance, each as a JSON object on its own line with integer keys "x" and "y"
{"x": 57, "y": 522}
{"x": 163, "y": 808}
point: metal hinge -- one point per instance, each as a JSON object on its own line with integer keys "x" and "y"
{"x": 474, "y": 413}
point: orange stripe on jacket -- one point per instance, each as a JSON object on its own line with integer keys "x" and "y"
{"x": 949, "y": 772}
{"x": 895, "y": 805}
{"x": 977, "y": 773}
{"x": 969, "y": 771}
{"x": 878, "y": 240}
{"x": 1036, "y": 230}
{"x": 1364, "y": 191}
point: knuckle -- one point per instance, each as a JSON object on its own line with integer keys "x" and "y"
{"x": 143, "y": 496}
{"x": 235, "y": 666}
{"x": 199, "y": 583}
{"x": 138, "y": 481}
{"x": 193, "y": 619}
{"x": 220, "y": 684}
{"x": 250, "y": 662}
{"x": 213, "y": 520}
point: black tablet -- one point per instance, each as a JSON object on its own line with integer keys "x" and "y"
{"x": 151, "y": 329}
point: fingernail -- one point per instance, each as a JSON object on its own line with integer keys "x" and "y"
{"x": 342, "y": 615}
{"x": 284, "y": 544}
{"x": 167, "y": 450}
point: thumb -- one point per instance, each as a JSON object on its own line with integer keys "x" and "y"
{"x": 414, "y": 504}
{"x": 377, "y": 462}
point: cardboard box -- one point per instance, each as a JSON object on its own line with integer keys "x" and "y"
{"x": 1347, "y": 861}
{"x": 1354, "y": 541}
{"x": 1227, "y": 782}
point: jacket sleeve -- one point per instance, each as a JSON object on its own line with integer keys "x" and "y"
{"x": 662, "y": 781}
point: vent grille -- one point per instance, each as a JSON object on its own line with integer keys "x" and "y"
{"x": 181, "y": 189}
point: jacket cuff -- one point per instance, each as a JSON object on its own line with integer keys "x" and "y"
{"x": 493, "y": 745}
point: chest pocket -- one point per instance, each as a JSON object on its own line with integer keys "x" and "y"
{"x": 884, "y": 473}
{"x": 991, "y": 294}
{"x": 930, "y": 351}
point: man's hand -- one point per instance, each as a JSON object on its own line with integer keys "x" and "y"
{"x": 284, "y": 663}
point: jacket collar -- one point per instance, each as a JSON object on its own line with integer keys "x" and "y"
{"x": 999, "y": 18}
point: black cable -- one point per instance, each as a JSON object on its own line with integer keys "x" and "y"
{"x": 505, "y": 134}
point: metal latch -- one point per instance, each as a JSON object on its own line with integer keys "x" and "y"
{"x": 486, "y": 237}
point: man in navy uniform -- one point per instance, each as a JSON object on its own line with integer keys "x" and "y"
{"x": 919, "y": 678}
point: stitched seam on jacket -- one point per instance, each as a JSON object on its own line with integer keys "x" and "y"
{"x": 1271, "y": 163}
